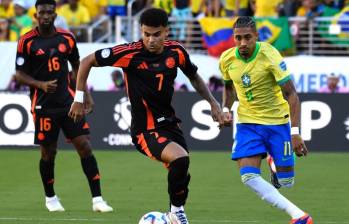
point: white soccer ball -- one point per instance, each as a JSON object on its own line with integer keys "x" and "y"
{"x": 154, "y": 218}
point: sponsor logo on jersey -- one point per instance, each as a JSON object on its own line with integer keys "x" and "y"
{"x": 40, "y": 52}
{"x": 142, "y": 66}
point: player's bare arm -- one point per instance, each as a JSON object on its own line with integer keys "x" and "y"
{"x": 88, "y": 102}
{"x": 46, "y": 86}
{"x": 200, "y": 86}
{"x": 291, "y": 96}
{"x": 77, "y": 110}
{"x": 228, "y": 100}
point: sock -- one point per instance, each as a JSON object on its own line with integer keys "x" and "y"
{"x": 97, "y": 199}
{"x": 176, "y": 209}
{"x": 178, "y": 181}
{"x": 251, "y": 178}
{"x": 90, "y": 167}
{"x": 47, "y": 176}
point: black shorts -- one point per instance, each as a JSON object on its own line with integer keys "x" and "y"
{"x": 48, "y": 125}
{"x": 153, "y": 142}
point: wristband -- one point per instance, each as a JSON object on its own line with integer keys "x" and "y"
{"x": 79, "y": 96}
{"x": 226, "y": 110}
{"x": 295, "y": 131}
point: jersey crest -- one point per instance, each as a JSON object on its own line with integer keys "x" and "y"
{"x": 246, "y": 80}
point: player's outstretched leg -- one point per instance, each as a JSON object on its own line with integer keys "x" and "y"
{"x": 46, "y": 167}
{"x": 90, "y": 168}
{"x": 251, "y": 178}
{"x": 178, "y": 181}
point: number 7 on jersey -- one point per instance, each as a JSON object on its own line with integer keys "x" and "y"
{"x": 161, "y": 79}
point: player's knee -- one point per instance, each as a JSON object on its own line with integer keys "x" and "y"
{"x": 248, "y": 173}
{"x": 83, "y": 147}
{"x": 48, "y": 152}
{"x": 181, "y": 164}
{"x": 286, "y": 179}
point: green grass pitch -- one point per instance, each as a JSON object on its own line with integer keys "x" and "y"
{"x": 134, "y": 185}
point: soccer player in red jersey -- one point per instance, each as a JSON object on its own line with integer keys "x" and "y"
{"x": 150, "y": 68}
{"x": 42, "y": 63}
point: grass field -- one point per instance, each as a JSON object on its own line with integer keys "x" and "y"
{"x": 134, "y": 185}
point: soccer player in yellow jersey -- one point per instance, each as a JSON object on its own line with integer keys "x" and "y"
{"x": 256, "y": 72}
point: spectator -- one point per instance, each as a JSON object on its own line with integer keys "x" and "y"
{"x": 118, "y": 81}
{"x": 212, "y": 8}
{"x": 117, "y": 8}
{"x": 74, "y": 13}
{"x": 180, "y": 13}
{"x": 236, "y": 8}
{"x": 332, "y": 85}
{"x": 311, "y": 9}
{"x": 198, "y": 8}
{"x": 265, "y": 8}
{"x": 166, "y": 5}
{"x": 22, "y": 22}
{"x": 289, "y": 8}
{"x": 6, "y": 9}
{"x": 4, "y": 30}
{"x": 96, "y": 8}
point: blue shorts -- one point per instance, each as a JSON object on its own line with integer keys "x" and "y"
{"x": 257, "y": 139}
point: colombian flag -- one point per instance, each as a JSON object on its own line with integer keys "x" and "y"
{"x": 217, "y": 34}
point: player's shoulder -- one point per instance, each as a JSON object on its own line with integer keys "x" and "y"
{"x": 172, "y": 44}
{"x": 267, "y": 48}
{"x": 65, "y": 32}
{"x": 25, "y": 38}
{"x": 228, "y": 55}
{"x": 29, "y": 35}
{"x": 128, "y": 47}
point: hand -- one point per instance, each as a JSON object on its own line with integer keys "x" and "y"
{"x": 228, "y": 119}
{"x": 298, "y": 146}
{"x": 89, "y": 103}
{"x": 76, "y": 111}
{"x": 49, "y": 86}
{"x": 217, "y": 114}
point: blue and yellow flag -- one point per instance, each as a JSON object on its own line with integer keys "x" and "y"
{"x": 342, "y": 19}
{"x": 218, "y": 33}
{"x": 267, "y": 31}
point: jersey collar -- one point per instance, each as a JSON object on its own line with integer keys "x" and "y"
{"x": 256, "y": 50}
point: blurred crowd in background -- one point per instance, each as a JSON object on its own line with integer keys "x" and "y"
{"x": 17, "y": 16}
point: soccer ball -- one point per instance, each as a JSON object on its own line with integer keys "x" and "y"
{"x": 154, "y": 218}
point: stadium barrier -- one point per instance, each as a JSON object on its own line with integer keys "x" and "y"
{"x": 308, "y": 72}
{"x": 324, "y": 122}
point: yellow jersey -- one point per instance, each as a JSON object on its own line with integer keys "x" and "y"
{"x": 230, "y": 4}
{"x": 74, "y": 18}
{"x": 7, "y": 13}
{"x": 166, "y": 5}
{"x": 256, "y": 81}
{"x": 265, "y": 8}
{"x": 94, "y": 6}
